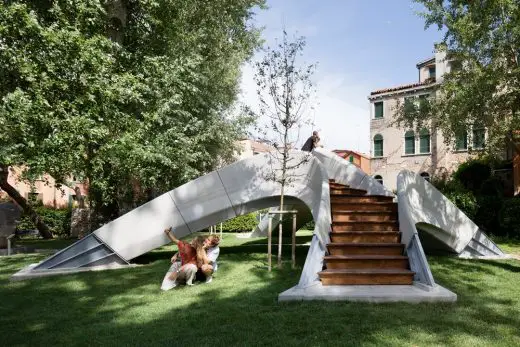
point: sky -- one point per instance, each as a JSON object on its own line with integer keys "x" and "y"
{"x": 360, "y": 46}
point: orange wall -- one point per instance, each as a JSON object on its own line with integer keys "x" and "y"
{"x": 49, "y": 194}
{"x": 360, "y": 161}
{"x": 365, "y": 165}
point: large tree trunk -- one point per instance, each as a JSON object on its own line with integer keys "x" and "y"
{"x": 27, "y": 208}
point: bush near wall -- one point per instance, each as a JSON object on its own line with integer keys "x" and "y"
{"x": 309, "y": 226}
{"x": 472, "y": 173}
{"x": 510, "y": 218}
{"x": 480, "y": 196}
{"x": 58, "y": 220}
{"x": 246, "y": 222}
{"x": 463, "y": 198}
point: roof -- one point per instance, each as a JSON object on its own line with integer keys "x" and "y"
{"x": 258, "y": 146}
{"x": 425, "y": 62}
{"x": 403, "y": 87}
{"x": 348, "y": 151}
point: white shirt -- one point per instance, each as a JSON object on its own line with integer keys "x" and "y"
{"x": 212, "y": 254}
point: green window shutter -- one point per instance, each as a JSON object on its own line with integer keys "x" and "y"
{"x": 378, "y": 109}
{"x": 351, "y": 159}
{"x": 378, "y": 146}
{"x": 479, "y": 138}
{"x": 409, "y": 104}
{"x": 409, "y": 100}
{"x": 424, "y": 141}
{"x": 409, "y": 142}
{"x": 431, "y": 71}
{"x": 461, "y": 141}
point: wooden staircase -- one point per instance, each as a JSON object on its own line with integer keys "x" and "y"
{"x": 365, "y": 243}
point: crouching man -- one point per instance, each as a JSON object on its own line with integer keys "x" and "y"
{"x": 212, "y": 252}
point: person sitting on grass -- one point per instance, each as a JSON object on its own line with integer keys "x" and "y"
{"x": 170, "y": 279}
{"x": 186, "y": 270}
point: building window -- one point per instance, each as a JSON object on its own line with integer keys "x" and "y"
{"x": 409, "y": 100}
{"x": 479, "y": 138}
{"x": 424, "y": 102}
{"x": 378, "y": 110}
{"x": 431, "y": 72}
{"x": 378, "y": 178}
{"x": 378, "y": 145}
{"x": 461, "y": 141}
{"x": 351, "y": 159}
{"x": 410, "y": 104}
{"x": 409, "y": 142}
{"x": 455, "y": 66}
{"x": 426, "y": 176}
{"x": 424, "y": 141}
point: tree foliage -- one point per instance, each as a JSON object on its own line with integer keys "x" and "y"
{"x": 144, "y": 111}
{"x": 482, "y": 40}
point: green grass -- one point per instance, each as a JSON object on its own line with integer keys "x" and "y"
{"x": 240, "y": 308}
{"x": 44, "y": 244}
{"x": 511, "y": 246}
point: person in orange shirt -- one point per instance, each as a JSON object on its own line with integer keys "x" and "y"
{"x": 186, "y": 270}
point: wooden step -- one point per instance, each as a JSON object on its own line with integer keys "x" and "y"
{"x": 337, "y": 185}
{"x": 365, "y": 236}
{"x": 357, "y": 199}
{"x": 347, "y": 248}
{"x": 363, "y": 216}
{"x": 365, "y": 226}
{"x": 367, "y": 206}
{"x": 346, "y": 191}
{"x": 366, "y": 276}
{"x": 366, "y": 262}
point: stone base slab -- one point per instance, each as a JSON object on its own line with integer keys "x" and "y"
{"x": 370, "y": 293}
{"x": 28, "y": 272}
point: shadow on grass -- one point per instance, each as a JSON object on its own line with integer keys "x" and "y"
{"x": 125, "y": 307}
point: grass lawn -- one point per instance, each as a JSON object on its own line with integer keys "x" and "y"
{"x": 511, "y": 246}
{"x": 126, "y": 307}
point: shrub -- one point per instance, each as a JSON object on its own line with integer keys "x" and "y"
{"x": 459, "y": 195}
{"x": 309, "y": 226}
{"x": 493, "y": 186}
{"x": 465, "y": 201}
{"x": 245, "y": 222}
{"x": 473, "y": 173}
{"x": 510, "y": 218}
{"x": 58, "y": 221}
{"x": 488, "y": 214}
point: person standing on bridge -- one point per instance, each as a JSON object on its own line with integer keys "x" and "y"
{"x": 312, "y": 142}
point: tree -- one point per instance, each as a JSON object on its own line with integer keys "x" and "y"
{"x": 121, "y": 92}
{"x": 284, "y": 91}
{"x": 482, "y": 40}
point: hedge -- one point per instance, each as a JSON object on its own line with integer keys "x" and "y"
{"x": 58, "y": 221}
{"x": 458, "y": 195}
{"x": 510, "y": 218}
{"x": 245, "y": 222}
